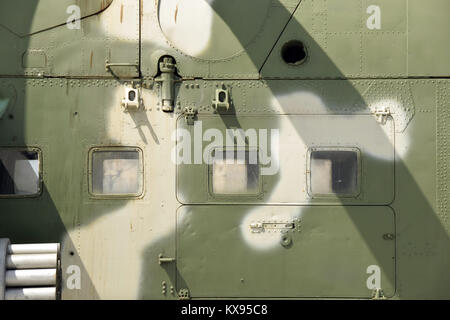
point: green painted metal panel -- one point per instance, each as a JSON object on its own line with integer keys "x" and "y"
{"x": 428, "y": 34}
{"x": 44, "y": 14}
{"x": 330, "y": 251}
{"x": 107, "y": 33}
{"x": 405, "y": 43}
{"x": 56, "y": 95}
{"x": 286, "y": 180}
{"x": 231, "y": 41}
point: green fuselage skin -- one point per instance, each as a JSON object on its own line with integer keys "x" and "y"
{"x": 63, "y": 101}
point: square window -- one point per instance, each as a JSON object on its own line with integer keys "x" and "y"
{"x": 334, "y": 172}
{"x": 116, "y": 172}
{"x": 19, "y": 172}
{"x": 235, "y": 172}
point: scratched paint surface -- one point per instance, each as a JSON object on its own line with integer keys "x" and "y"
{"x": 63, "y": 100}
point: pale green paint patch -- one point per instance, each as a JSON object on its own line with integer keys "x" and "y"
{"x": 3, "y": 106}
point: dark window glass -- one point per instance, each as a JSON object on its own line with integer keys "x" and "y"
{"x": 19, "y": 172}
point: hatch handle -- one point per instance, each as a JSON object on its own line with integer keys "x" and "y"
{"x": 162, "y": 259}
{"x": 274, "y": 226}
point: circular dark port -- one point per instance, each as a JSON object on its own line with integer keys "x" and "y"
{"x": 293, "y": 52}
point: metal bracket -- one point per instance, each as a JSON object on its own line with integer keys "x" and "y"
{"x": 378, "y": 294}
{"x": 162, "y": 259}
{"x": 184, "y": 294}
{"x": 132, "y": 100}
{"x": 167, "y": 79}
{"x": 278, "y": 226}
{"x": 221, "y": 102}
{"x": 109, "y": 67}
{"x": 189, "y": 115}
{"x": 382, "y": 114}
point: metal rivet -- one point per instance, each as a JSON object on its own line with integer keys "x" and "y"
{"x": 388, "y": 236}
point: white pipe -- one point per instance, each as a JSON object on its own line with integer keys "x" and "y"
{"x": 31, "y": 261}
{"x": 25, "y": 278}
{"x": 48, "y": 293}
{"x": 33, "y": 248}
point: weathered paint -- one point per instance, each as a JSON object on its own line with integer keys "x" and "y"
{"x": 116, "y": 242}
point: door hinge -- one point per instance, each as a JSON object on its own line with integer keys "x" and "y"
{"x": 167, "y": 78}
{"x": 189, "y": 115}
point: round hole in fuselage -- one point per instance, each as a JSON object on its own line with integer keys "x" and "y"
{"x": 293, "y": 52}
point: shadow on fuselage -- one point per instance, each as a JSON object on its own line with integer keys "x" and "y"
{"x": 36, "y": 219}
{"x": 410, "y": 219}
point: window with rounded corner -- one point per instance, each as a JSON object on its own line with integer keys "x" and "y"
{"x": 234, "y": 172}
{"x": 334, "y": 172}
{"x": 20, "y": 172}
{"x": 116, "y": 172}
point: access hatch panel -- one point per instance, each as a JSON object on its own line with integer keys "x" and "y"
{"x": 285, "y": 251}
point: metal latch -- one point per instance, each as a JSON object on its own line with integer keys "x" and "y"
{"x": 271, "y": 226}
{"x": 189, "y": 115}
{"x": 221, "y": 102}
{"x": 382, "y": 114}
{"x": 167, "y": 79}
{"x": 162, "y": 259}
{"x": 132, "y": 100}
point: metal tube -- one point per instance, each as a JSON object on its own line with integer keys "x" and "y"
{"x": 47, "y": 293}
{"x": 29, "y": 277}
{"x": 31, "y": 261}
{"x": 4, "y": 243}
{"x": 33, "y": 248}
